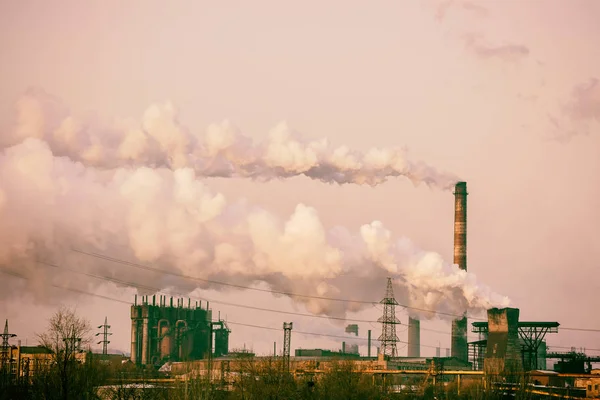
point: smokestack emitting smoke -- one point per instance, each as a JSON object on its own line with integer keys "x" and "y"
{"x": 56, "y": 194}
{"x": 459, "y": 326}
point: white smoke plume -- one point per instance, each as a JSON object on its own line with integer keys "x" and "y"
{"x": 169, "y": 218}
{"x": 159, "y": 140}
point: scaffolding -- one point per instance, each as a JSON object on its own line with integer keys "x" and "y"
{"x": 532, "y": 335}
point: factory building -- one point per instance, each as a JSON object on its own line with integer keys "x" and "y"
{"x": 506, "y": 339}
{"x": 161, "y": 333}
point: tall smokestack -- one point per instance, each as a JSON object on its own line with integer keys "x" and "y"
{"x": 414, "y": 337}
{"x": 459, "y": 326}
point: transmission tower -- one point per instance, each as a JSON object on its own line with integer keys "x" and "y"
{"x": 5, "y": 345}
{"x": 287, "y": 339}
{"x": 105, "y": 334}
{"x": 389, "y": 321}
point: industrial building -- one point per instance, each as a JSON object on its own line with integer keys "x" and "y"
{"x": 162, "y": 333}
{"x": 527, "y": 339}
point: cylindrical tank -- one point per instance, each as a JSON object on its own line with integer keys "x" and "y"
{"x": 180, "y": 329}
{"x": 134, "y": 343}
{"x": 165, "y": 339}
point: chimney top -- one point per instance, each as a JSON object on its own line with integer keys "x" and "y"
{"x": 460, "y": 188}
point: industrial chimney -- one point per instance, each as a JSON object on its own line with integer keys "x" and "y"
{"x": 414, "y": 337}
{"x": 459, "y": 326}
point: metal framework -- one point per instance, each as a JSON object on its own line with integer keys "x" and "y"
{"x": 105, "y": 334}
{"x": 531, "y": 333}
{"x": 573, "y": 356}
{"x": 6, "y": 346}
{"x": 477, "y": 354}
{"x": 287, "y": 341}
{"x": 388, "y": 320}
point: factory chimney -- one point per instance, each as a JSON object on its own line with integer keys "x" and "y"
{"x": 414, "y": 337}
{"x": 459, "y": 326}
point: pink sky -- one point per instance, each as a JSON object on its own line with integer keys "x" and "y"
{"x": 480, "y": 88}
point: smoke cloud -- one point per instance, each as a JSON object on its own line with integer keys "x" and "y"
{"x": 509, "y": 52}
{"x": 50, "y": 204}
{"x": 160, "y": 140}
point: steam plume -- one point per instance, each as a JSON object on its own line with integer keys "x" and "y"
{"x": 159, "y": 140}
{"x": 49, "y": 204}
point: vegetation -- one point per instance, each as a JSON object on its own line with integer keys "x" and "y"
{"x": 66, "y": 372}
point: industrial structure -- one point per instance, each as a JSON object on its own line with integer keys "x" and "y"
{"x": 459, "y": 347}
{"x": 351, "y": 348}
{"x": 287, "y": 343}
{"x": 161, "y": 332}
{"x": 414, "y": 337}
{"x": 105, "y": 334}
{"x": 5, "y": 355}
{"x": 388, "y": 338}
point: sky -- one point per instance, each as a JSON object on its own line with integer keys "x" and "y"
{"x": 503, "y": 94}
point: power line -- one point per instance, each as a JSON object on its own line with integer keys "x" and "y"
{"x": 549, "y": 346}
{"x": 158, "y": 290}
{"x": 289, "y": 294}
{"x": 579, "y": 329}
{"x": 229, "y": 322}
{"x": 246, "y": 324}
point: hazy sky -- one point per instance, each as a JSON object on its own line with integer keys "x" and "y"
{"x": 501, "y": 93}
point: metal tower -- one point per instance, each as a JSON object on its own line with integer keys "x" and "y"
{"x": 287, "y": 339}
{"x": 5, "y": 345}
{"x": 389, "y": 321}
{"x": 105, "y": 334}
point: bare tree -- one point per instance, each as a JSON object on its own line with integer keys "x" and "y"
{"x": 71, "y": 372}
{"x": 67, "y": 333}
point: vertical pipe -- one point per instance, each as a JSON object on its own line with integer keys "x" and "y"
{"x": 135, "y": 300}
{"x": 153, "y": 299}
{"x": 414, "y": 337}
{"x": 274, "y": 349}
{"x": 134, "y": 335}
{"x": 343, "y": 347}
{"x": 459, "y": 326}
{"x": 369, "y": 343}
{"x": 145, "y": 341}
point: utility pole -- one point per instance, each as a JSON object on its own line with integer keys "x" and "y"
{"x": 6, "y": 356}
{"x": 287, "y": 340}
{"x": 105, "y": 334}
